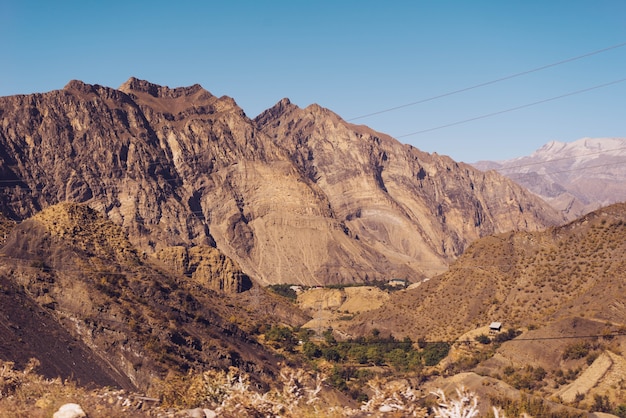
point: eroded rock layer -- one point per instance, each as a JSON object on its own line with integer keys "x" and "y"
{"x": 294, "y": 196}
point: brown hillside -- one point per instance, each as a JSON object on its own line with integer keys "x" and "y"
{"x": 520, "y": 279}
{"x": 78, "y": 297}
{"x": 559, "y": 291}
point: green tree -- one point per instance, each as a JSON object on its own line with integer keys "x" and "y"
{"x": 398, "y": 359}
{"x": 358, "y": 353}
{"x": 329, "y": 337}
{"x": 375, "y": 355}
{"x": 311, "y": 350}
{"x": 331, "y": 354}
{"x": 281, "y": 337}
{"x": 435, "y": 352}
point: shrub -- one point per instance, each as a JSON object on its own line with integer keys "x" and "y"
{"x": 281, "y": 337}
{"x": 620, "y": 411}
{"x": 506, "y": 336}
{"x": 331, "y": 354}
{"x": 284, "y": 290}
{"x": 435, "y": 352}
{"x": 311, "y": 350}
{"x": 576, "y": 350}
{"x": 601, "y": 403}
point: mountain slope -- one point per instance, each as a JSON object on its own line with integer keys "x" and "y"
{"x": 113, "y": 317}
{"x": 575, "y": 177}
{"x": 416, "y": 208}
{"x": 520, "y": 278}
{"x": 296, "y": 196}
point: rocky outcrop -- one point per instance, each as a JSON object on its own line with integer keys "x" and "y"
{"x": 295, "y": 196}
{"x": 206, "y": 266}
{"x": 70, "y": 410}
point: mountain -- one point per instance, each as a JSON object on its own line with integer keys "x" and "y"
{"x": 294, "y": 196}
{"x": 521, "y": 278}
{"x": 575, "y": 177}
{"x": 79, "y": 297}
{"x": 560, "y": 292}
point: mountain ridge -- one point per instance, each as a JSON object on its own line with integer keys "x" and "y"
{"x": 295, "y": 195}
{"x": 144, "y": 221}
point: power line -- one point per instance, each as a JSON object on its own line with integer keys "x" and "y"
{"x": 498, "y": 80}
{"x": 488, "y": 115}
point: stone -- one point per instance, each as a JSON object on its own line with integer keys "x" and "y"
{"x": 70, "y": 410}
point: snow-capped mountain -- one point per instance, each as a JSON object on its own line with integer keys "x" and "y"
{"x": 575, "y": 177}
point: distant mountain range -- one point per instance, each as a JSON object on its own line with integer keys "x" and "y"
{"x": 575, "y": 177}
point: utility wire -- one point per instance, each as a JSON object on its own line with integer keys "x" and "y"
{"x": 488, "y": 115}
{"x": 498, "y": 80}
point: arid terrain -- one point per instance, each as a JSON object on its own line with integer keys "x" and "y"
{"x": 162, "y": 254}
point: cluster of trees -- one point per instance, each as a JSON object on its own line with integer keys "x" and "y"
{"x": 285, "y": 290}
{"x": 352, "y": 358}
{"x": 375, "y": 350}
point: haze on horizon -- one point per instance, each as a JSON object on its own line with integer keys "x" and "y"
{"x": 355, "y": 58}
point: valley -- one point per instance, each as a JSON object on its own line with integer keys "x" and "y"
{"x": 163, "y": 254}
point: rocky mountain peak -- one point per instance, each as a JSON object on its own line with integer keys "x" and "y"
{"x": 574, "y": 177}
{"x": 79, "y": 85}
{"x": 179, "y": 100}
{"x": 136, "y": 85}
{"x": 283, "y": 107}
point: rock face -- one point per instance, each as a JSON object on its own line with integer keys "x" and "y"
{"x": 207, "y": 266}
{"x": 294, "y": 196}
{"x": 416, "y": 209}
{"x": 575, "y": 178}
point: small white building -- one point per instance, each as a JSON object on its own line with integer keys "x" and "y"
{"x": 296, "y": 288}
{"x": 495, "y": 327}
{"x": 397, "y": 282}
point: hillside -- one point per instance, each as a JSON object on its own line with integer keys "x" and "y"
{"x": 140, "y": 225}
{"x": 561, "y": 289}
{"x": 116, "y": 317}
{"x": 575, "y": 178}
{"x": 520, "y": 278}
{"x": 294, "y": 196}
{"x": 78, "y": 296}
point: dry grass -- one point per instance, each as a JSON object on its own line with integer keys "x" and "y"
{"x": 517, "y": 278}
{"x": 23, "y": 393}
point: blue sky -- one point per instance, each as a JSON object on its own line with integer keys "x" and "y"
{"x": 353, "y": 57}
